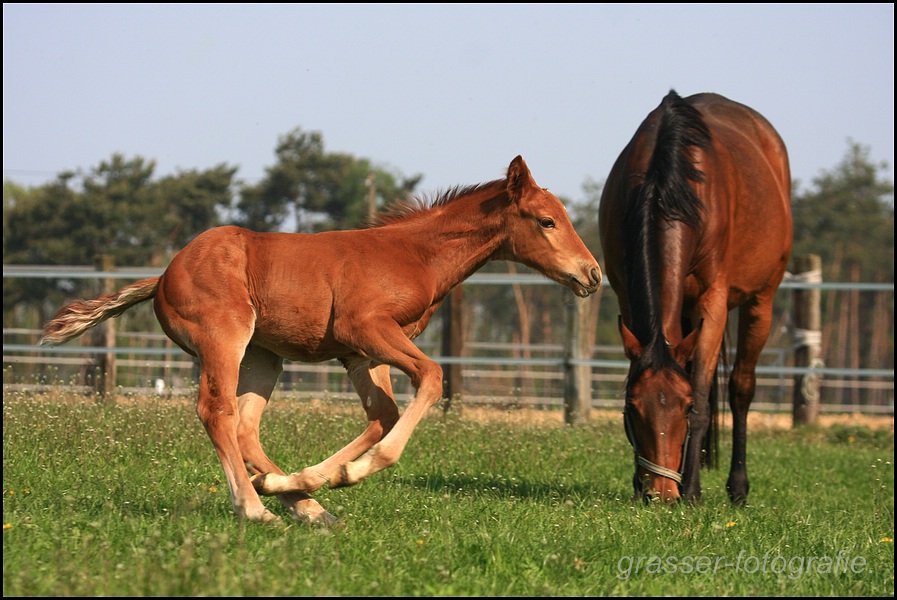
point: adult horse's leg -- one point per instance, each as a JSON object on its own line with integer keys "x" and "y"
{"x": 259, "y": 372}
{"x": 373, "y": 386}
{"x": 754, "y": 324}
{"x": 712, "y": 317}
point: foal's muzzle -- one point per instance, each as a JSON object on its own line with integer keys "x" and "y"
{"x": 590, "y": 286}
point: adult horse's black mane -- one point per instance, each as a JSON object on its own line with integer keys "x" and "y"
{"x": 664, "y": 196}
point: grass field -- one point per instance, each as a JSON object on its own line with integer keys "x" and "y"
{"x": 128, "y": 499}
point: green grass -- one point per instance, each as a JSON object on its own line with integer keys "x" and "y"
{"x": 128, "y": 499}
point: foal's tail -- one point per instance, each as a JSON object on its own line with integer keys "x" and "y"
{"x": 74, "y": 319}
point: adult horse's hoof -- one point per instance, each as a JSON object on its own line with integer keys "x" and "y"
{"x": 693, "y": 499}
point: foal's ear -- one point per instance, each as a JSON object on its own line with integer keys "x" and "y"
{"x": 519, "y": 178}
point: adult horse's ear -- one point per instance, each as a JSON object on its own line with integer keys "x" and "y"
{"x": 685, "y": 349}
{"x": 631, "y": 345}
{"x": 518, "y": 178}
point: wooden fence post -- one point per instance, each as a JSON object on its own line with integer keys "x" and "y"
{"x": 102, "y": 377}
{"x": 452, "y": 343}
{"x": 807, "y": 340}
{"x": 577, "y": 378}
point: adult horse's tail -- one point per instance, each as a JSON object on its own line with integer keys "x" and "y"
{"x": 77, "y": 317}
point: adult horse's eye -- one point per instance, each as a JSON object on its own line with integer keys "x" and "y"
{"x": 546, "y": 222}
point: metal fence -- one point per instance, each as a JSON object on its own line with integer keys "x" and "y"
{"x": 493, "y": 372}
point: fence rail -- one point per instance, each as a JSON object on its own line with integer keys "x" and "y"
{"x": 148, "y": 362}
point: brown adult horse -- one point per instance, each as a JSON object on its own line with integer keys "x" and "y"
{"x": 695, "y": 219}
{"x": 242, "y": 301}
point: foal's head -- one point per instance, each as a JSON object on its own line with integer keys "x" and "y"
{"x": 540, "y": 234}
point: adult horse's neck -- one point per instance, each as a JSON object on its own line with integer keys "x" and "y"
{"x": 658, "y": 258}
{"x": 678, "y": 242}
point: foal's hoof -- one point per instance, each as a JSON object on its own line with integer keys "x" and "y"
{"x": 322, "y": 519}
{"x": 307, "y": 511}
{"x": 258, "y": 482}
{"x": 269, "y": 484}
{"x": 340, "y": 478}
{"x": 266, "y": 518}
{"x": 326, "y": 520}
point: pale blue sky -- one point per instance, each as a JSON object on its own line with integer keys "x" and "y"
{"x": 450, "y": 91}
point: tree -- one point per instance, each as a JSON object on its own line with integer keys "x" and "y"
{"x": 317, "y": 190}
{"x": 117, "y": 210}
{"x": 188, "y": 204}
{"x": 848, "y": 220}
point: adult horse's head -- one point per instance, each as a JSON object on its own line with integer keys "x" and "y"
{"x": 541, "y": 236}
{"x": 659, "y": 399}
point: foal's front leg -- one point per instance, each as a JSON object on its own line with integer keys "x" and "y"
{"x": 385, "y": 340}
{"x": 426, "y": 377}
{"x": 373, "y": 386}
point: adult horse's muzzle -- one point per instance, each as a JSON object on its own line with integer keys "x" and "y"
{"x": 668, "y": 493}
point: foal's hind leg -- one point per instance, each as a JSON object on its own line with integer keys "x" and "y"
{"x": 217, "y": 409}
{"x": 259, "y": 372}
{"x": 373, "y": 386}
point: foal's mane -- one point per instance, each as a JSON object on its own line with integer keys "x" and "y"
{"x": 415, "y": 206}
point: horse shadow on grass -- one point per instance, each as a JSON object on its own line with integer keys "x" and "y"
{"x": 504, "y": 488}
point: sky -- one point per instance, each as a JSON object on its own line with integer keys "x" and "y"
{"x": 452, "y": 92}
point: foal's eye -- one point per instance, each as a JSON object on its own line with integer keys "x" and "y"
{"x": 546, "y": 222}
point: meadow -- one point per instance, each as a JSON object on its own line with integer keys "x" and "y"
{"x": 127, "y": 498}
